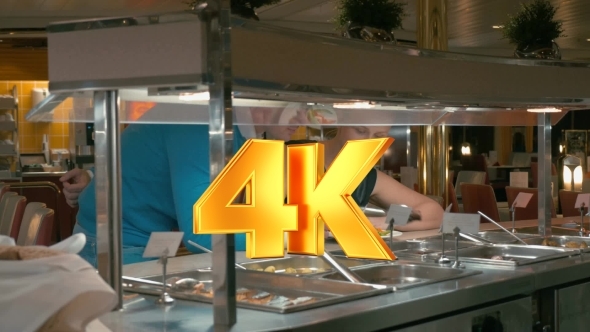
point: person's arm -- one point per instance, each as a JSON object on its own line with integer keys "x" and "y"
{"x": 388, "y": 191}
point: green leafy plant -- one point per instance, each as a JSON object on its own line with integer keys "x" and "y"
{"x": 381, "y": 14}
{"x": 534, "y": 24}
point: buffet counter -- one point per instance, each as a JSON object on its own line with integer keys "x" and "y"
{"x": 509, "y": 292}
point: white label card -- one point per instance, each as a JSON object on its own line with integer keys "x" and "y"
{"x": 522, "y": 200}
{"x": 163, "y": 243}
{"x": 399, "y": 213}
{"x": 467, "y": 223}
{"x": 582, "y": 198}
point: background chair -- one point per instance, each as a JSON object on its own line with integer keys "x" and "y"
{"x": 12, "y": 215}
{"x": 480, "y": 197}
{"x": 468, "y": 177}
{"x": 452, "y": 196}
{"x": 531, "y": 211}
{"x": 568, "y": 202}
{"x": 36, "y": 227}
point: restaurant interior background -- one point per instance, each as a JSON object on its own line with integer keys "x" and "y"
{"x": 472, "y": 28}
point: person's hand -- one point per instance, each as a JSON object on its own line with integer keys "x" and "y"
{"x": 74, "y": 183}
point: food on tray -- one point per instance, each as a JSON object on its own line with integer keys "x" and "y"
{"x": 576, "y": 245}
{"x": 550, "y": 243}
{"x": 383, "y": 232}
{"x": 569, "y": 244}
{"x": 290, "y": 270}
{"x": 497, "y": 258}
{"x": 257, "y": 297}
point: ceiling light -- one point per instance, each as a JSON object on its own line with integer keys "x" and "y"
{"x": 544, "y": 110}
{"x": 199, "y": 96}
{"x": 355, "y": 105}
{"x": 588, "y": 39}
{"x": 11, "y": 33}
{"x": 497, "y": 26}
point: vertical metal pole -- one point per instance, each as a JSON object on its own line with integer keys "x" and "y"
{"x": 220, "y": 130}
{"x": 425, "y": 160}
{"x": 107, "y": 179}
{"x": 544, "y": 183}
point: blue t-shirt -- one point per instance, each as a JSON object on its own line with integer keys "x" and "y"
{"x": 164, "y": 171}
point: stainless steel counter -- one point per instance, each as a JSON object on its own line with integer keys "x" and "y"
{"x": 380, "y": 312}
{"x": 40, "y": 174}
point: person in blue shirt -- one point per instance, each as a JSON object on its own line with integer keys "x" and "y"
{"x": 164, "y": 171}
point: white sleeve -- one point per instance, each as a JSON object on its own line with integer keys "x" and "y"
{"x": 90, "y": 173}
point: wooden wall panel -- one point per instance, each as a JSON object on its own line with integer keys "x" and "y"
{"x": 23, "y": 64}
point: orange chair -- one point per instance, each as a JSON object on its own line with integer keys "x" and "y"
{"x": 37, "y": 228}
{"x": 452, "y": 196}
{"x": 531, "y": 211}
{"x": 567, "y": 200}
{"x": 480, "y": 197}
{"x": 12, "y": 215}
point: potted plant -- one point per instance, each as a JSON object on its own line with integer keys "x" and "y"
{"x": 243, "y": 8}
{"x": 533, "y": 31}
{"x": 371, "y": 20}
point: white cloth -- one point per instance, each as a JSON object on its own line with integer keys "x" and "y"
{"x": 58, "y": 293}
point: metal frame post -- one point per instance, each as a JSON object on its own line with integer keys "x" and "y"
{"x": 220, "y": 132}
{"x": 544, "y": 182}
{"x": 108, "y": 190}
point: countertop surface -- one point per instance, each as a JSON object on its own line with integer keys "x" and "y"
{"x": 41, "y": 174}
{"x": 378, "y": 312}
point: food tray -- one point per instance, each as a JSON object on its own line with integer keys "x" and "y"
{"x": 560, "y": 241}
{"x": 303, "y": 265}
{"x": 514, "y": 255}
{"x": 325, "y": 292}
{"x": 404, "y": 276}
{"x": 419, "y": 249}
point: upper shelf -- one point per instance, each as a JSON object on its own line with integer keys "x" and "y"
{"x": 7, "y": 102}
{"x": 168, "y": 52}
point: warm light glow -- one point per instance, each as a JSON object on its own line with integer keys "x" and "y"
{"x": 560, "y": 148}
{"x": 567, "y": 179}
{"x": 356, "y": 105}
{"x": 578, "y": 178}
{"x": 199, "y": 96}
{"x": 466, "y": 149}
{"x": 544, "y": 110}
{"x": 497, "y": 26}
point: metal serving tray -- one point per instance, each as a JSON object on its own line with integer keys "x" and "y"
{"x": 534, "y": 230}
{"x": 304, "y": 265}
{"x": 560, "y": 241}
{"x": 326, "y": 292}
{"x": 403, "y": 276}
{"x": 514, "y": 255}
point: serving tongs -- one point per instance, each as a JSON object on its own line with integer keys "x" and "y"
{"x": 198, "y": 246}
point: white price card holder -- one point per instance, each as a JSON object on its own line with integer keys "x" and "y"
{"x": 160, "y": 241}
{"x": 582, "y": 199}
{"x": 522, "y": 199}
{"x": 466, "y": 222}
{"x": 399, "y": 213}
{"x": 163, "y": 245}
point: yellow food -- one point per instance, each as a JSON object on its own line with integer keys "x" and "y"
{"x": 550, "y": 243}
{"x": 270, "y": 269}
{"x": 290, "y": 270}
{"x": 383, "y": 232}
{"x": 305, "y": 271}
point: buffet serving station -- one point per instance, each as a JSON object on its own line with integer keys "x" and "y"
{"x": 172, "y": 61}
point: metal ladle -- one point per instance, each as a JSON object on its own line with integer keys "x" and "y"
{"x": 198, "y": 246}
{"x": 502, "y": 228}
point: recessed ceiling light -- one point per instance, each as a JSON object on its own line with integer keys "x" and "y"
{"x": 588, "y": 39}
{"x": 544, "y": 110}
{"x": 11, "y": 33}
{"x": 497, "y": 26}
